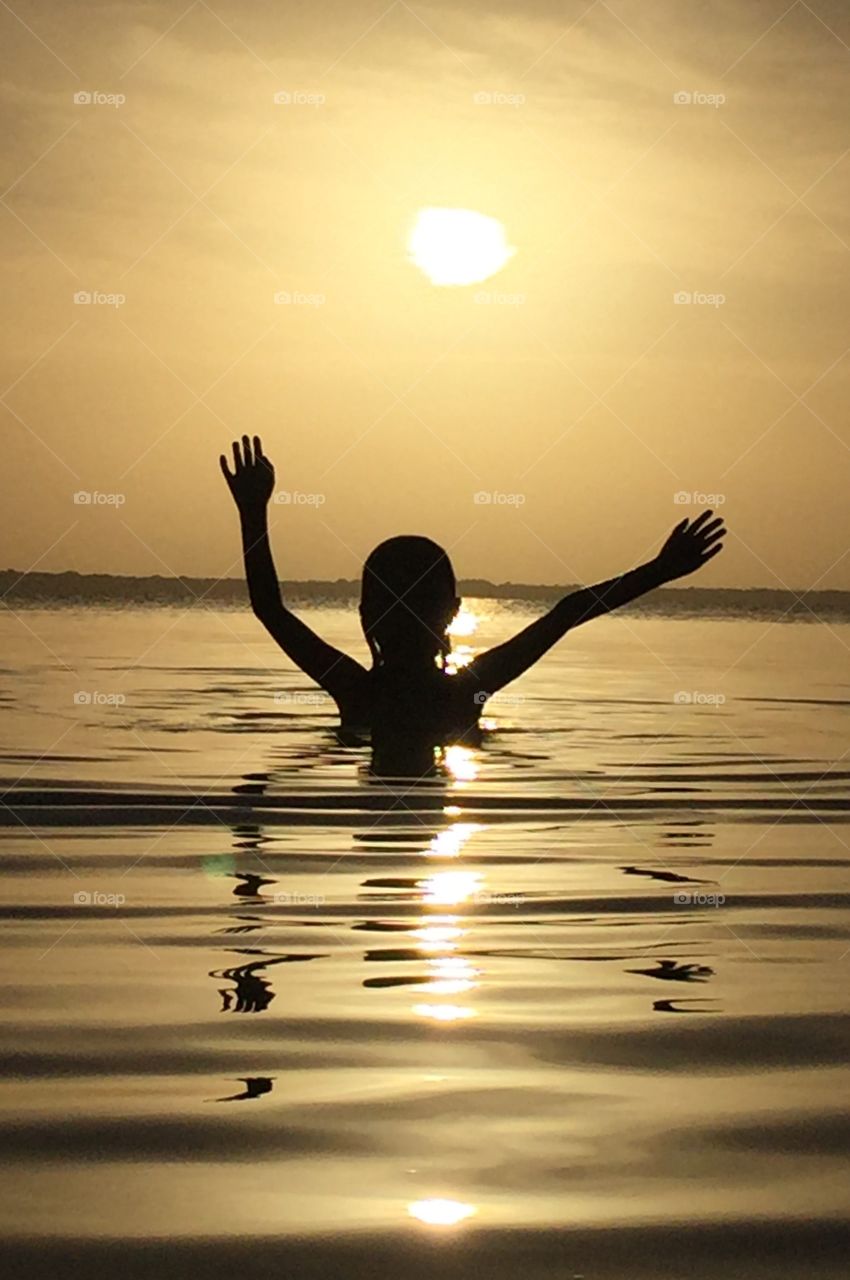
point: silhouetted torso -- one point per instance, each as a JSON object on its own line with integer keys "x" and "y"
{"x": 408, "y": 714}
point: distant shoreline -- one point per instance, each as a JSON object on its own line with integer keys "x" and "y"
{"x": 106, "y": 589}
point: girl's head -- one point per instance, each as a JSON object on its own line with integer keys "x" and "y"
{"x": 408, "y": 598}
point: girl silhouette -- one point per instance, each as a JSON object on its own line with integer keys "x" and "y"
{"x": 409, "y": 701}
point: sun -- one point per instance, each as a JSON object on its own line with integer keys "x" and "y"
{"x": 458, "y": 246}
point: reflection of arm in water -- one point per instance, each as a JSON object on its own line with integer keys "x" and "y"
{"x": 251, "y": 483}
{"x": 689, "y": 546}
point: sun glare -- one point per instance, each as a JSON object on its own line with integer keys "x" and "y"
{"x": 458, "y": 246}
{"x": 464, "y": 623}
{"x": 440, "y": 1213}
{"x": 450, "y": 888}
{"x": 442, "y": 1012}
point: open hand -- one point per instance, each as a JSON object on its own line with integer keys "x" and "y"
{"x": 691, "y": 545}
{"x": 252, "y": 480}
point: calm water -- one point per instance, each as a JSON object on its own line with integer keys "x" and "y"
{"x": 579, "y": 1008}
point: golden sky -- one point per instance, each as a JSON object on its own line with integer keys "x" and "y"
{"x": 576, "y": 392}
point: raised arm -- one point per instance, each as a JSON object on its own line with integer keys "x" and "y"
{"x": 689, "y": 546}
{"x": 251, "y": 483}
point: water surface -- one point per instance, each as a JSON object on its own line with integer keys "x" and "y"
{"x": 578, "y": 1007}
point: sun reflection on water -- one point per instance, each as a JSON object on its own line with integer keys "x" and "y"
{"x": 440, "y": 933}
{"x": 464, "y": 624}
{"x": 438, "y": 937}
{"x": 460, "y": 762}
{"x": 449, "y": 888}
{"x": 448, "y": 843}
{"x": 452, "y": 976}
{"x": 443, "y": 1012}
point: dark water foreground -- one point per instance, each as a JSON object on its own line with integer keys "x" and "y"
{"x": 549, "y": 1043}
{"x": 578, "y": 1009}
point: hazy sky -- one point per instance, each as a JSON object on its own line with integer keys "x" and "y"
{"x": 580, "y": 386}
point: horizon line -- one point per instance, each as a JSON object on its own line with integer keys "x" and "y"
{"x": 21, "y": 576}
